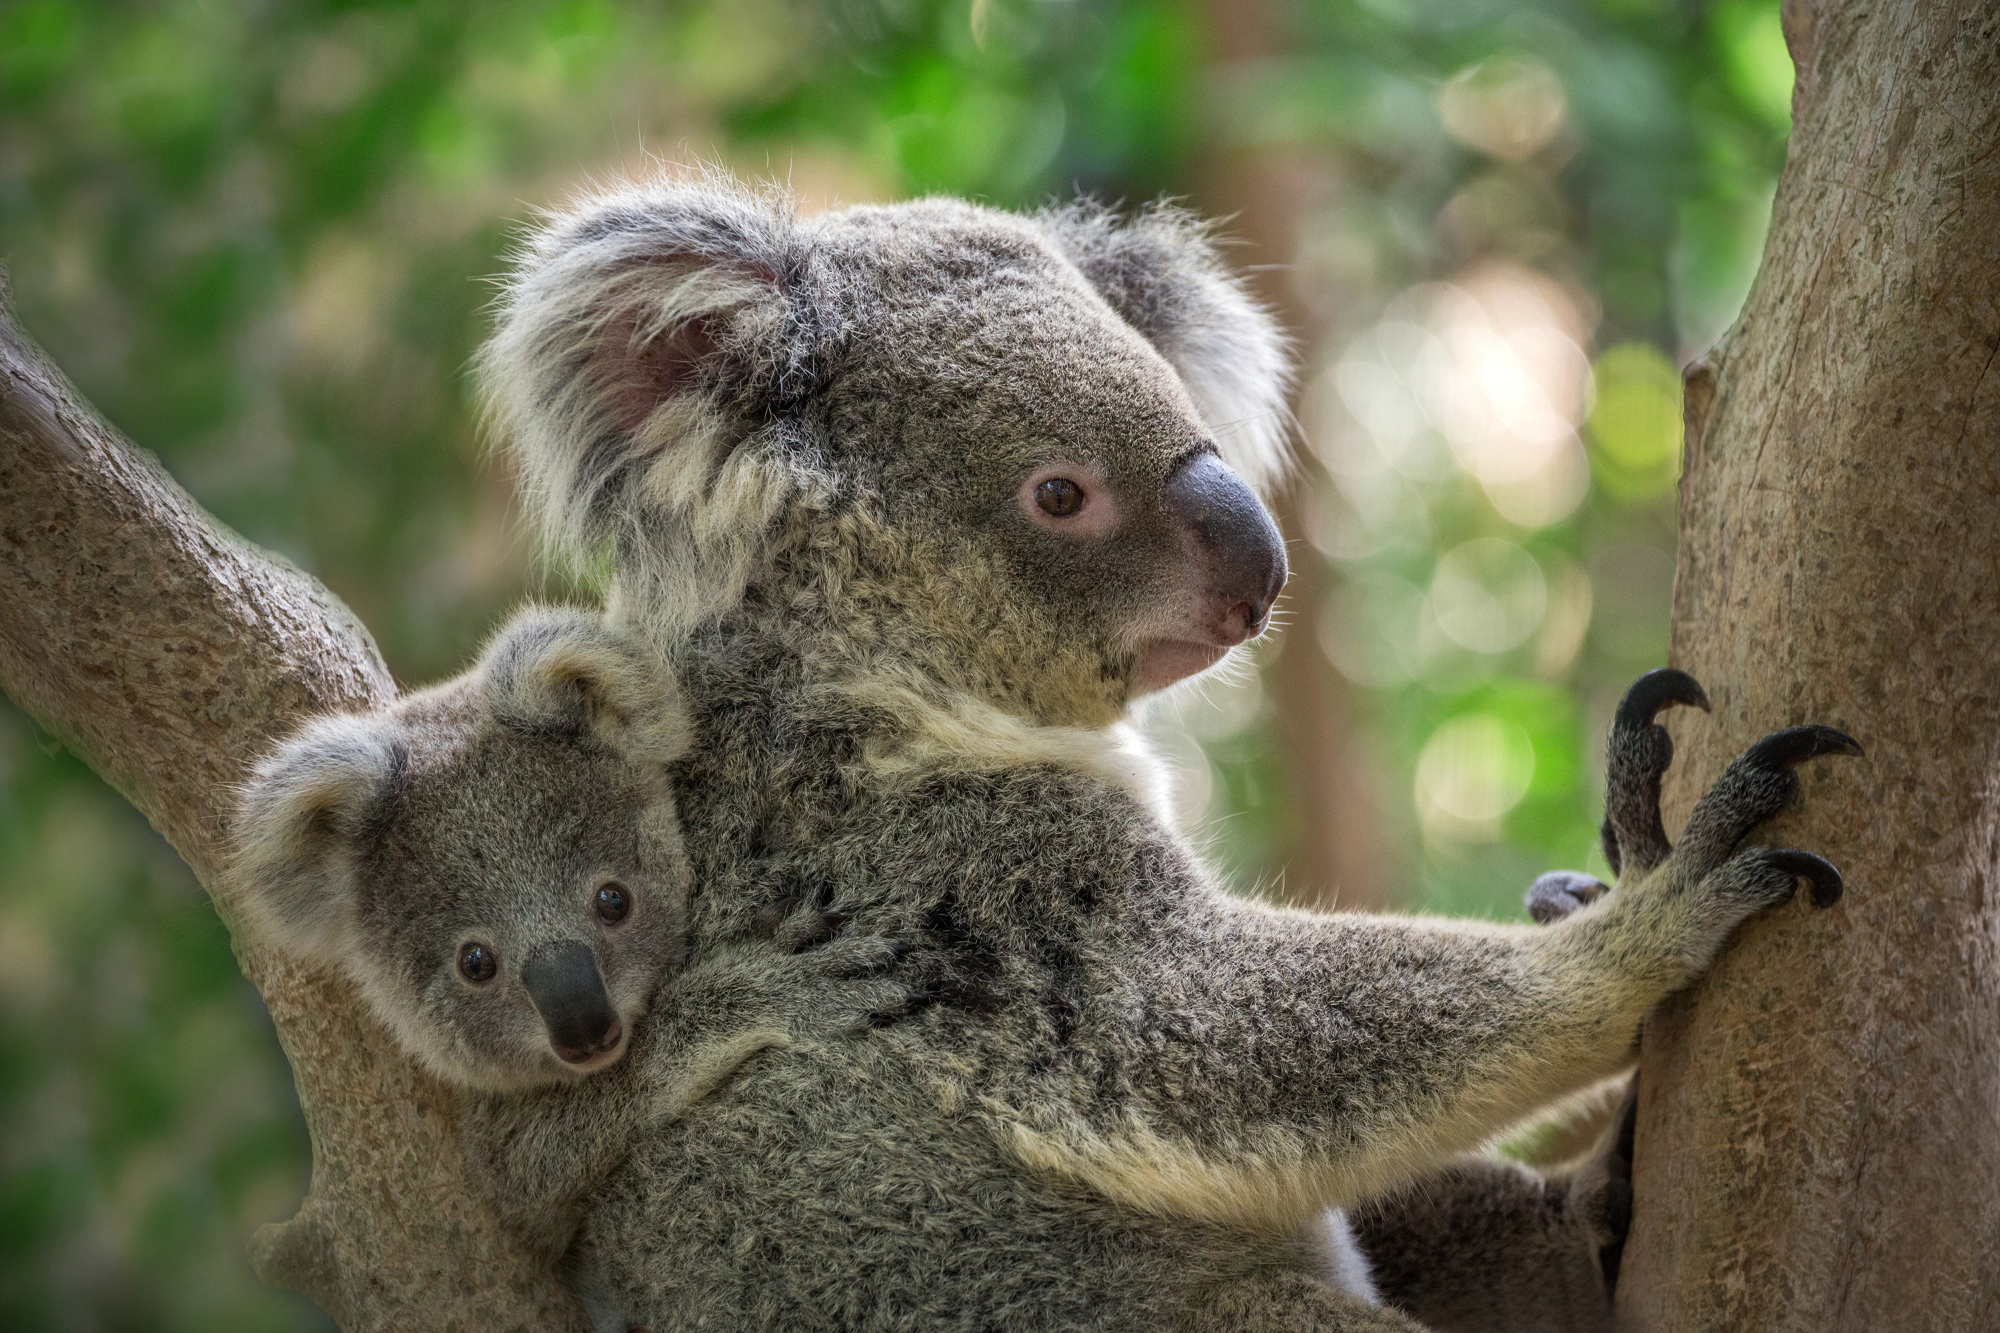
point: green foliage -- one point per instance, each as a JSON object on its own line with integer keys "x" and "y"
{"x": 1635, "y": 425}
{"x": 257, "y": 236}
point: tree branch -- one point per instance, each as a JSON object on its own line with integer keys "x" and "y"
{"x": 169, "y": 653}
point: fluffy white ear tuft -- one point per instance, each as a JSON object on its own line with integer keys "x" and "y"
{"x": 1160, "y": 270}
{"x": 566, "y": 669}
{"x": 301, "y": 816}
{"x": 638, "y": 336}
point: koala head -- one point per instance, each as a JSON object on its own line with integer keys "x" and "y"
{"x": 496, "y": 862}
{"x": 1024, "y": 447}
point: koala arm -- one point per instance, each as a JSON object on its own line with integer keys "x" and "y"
{"x": 545, "y": 1153}
{"x": 1273, "y": 1062}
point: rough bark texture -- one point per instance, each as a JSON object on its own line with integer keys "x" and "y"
{"x": 168, "y": 653}
{"x": 1819, "y": 1133}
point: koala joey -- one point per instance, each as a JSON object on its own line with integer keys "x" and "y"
{"x": 916, "y": 500}
{"x": 497, "y": 864}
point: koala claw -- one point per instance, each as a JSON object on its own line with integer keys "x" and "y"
{"x": 1769, "y": 877}
{"x": 1822, "y": 874}
{"x": 1639, "y": 752}
{"x": 1654, "y": 691}
{"x": 1560, "y": 892}
{"x": 1794, "y": 745}
{"x": 1757, "y": 785}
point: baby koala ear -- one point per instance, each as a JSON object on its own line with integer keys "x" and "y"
{"x": 1160, "y": 270}
{"x": 637, "y": 335}
{"x": 301, "y": 817}
{"x": 569, "y": 670}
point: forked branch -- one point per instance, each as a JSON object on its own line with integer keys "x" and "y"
{"x": 168, "y": 653}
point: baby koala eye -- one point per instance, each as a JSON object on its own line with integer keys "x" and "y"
{"x": 1059, "y": 497}
{"x": 613, "y": 903}
{"x": 476, "y": 962}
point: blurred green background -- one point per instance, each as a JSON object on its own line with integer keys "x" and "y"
{"x": 258, "y": 235}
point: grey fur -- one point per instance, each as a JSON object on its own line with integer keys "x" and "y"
{"x": 485, "y": 810}
{"x": 491, "y": 808}
{"x": 1128, "y": 1097}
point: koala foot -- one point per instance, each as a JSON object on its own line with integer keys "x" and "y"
{"x": 1637, "y": 755}
{"x": 1600, "y": 1194}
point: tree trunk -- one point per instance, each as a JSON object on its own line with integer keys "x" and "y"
{"x": 1819, "y": 1131}
{"x": 169, "y": 653}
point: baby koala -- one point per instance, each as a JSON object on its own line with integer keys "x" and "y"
{"x": 496, "y": 862}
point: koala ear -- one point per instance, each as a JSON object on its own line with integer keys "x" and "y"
{"x": 1161, "y": 272}
{"x": 639, "y": 337}
{"x": 561, "y": 669}
{"x": 301, "y": 817}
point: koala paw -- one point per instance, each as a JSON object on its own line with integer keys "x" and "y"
{"x": 1758, "y": 784}
{"x": 1560, "y": 892}
{"x": 1600, "y": 1194}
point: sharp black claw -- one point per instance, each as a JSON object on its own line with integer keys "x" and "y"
{"x": 1654, "y": 691}
{"x": 1794, "y": 745}
{"x": 1827, "y": 885}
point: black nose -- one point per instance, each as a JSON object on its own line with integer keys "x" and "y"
{"x": 1237, "y": 537}
{"x": 563, "y": 981}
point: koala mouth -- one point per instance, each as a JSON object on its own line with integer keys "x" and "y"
{"x": 1164, "y": 661}
{"x": 590, "y": 1058}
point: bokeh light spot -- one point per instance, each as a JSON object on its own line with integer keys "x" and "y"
{"x": 1488, "y": 595}
{"x": 1473, "y": 770}
{"x": 1635, "y": 425}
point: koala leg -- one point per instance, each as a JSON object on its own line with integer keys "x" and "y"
{"x": 1487, "y": 1246}
{"x": 1288, "y": 1302}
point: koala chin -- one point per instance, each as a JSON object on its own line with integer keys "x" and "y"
{"x": 495, "y": 861}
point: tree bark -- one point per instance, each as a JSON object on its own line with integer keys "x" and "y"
{"x": 169, "y": 653}
{"x": 1819, "y": 1131}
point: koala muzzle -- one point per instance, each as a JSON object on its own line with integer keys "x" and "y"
{"x": 563, "y": 981}
{"x": 1234, "y": 534}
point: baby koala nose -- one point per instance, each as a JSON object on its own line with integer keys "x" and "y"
{"x": 1238, "y": 541}
{"x": 568, "y": 991}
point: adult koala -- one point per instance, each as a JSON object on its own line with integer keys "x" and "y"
{"x": 917, "y": 499}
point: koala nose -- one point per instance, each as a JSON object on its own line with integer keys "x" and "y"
{"x": 563, "y": 981}
{"x": 1237, "y": 537}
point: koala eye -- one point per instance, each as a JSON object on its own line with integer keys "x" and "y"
{"x": 613, "y": 903}
{"x": 476, "y": 962}
{"x": 1059, "y": 497}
